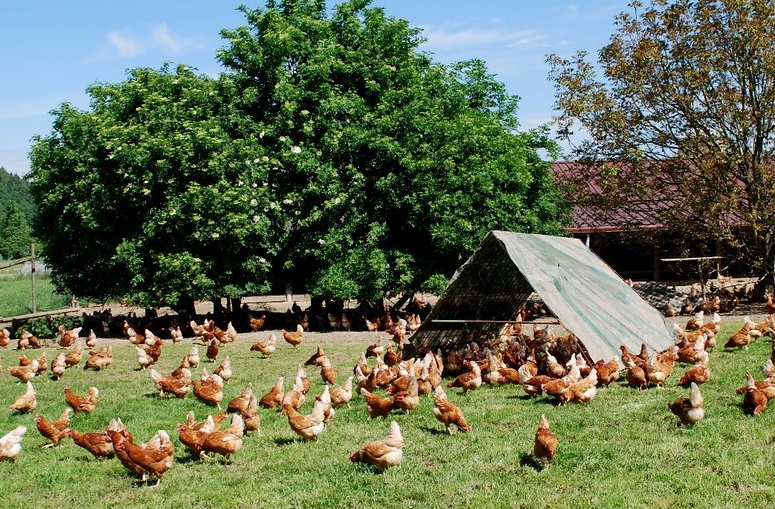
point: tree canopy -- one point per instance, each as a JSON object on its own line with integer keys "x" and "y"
{"x": 683, "y": 114}
{"x": 332, "y": 154}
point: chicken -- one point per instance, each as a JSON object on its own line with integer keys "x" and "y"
{"x": 99, "y": 359}
{"x": 470, "y": 380}
{"x": 554, "y": 368}
{"x": 68, "y": 336}
{"x": 742, "y": 337}
{"x": 328, "y": 372}
{"x": 582, "y": 391}
{"x": 228, "y": 441}
{"x": 183, "y": 370}
{"x": 256, "y": 324}
{"x": 375, "y": 349}
{"x": 699, "y": 373}
{"x": 55, "y": 431}
{"x": 11, "y": 443}
{"x": 409, "y": 399}
{"x": 274, "y": 397}
{"x": 240, "y": 403}
{"x": 26, "y": 402}
{"x": 634, "y": 374}
{"x": 754, "y": 399}
{"x": 447, "y": 412}
{"x": 301, "y": 377}
{"x": 155, "y": 458}
{"x": 5, "y": 337}
{"x": 193, "y": 357}
{"x": 306, "y": 426}
{"x": 193, "y": 437}
{"x": 99, "y": 444}
{"x": 224, "y": 369}
{"x": 266, "y": 347}
{"x": 176, "y": 335}
{"x": 689, "y": 410}
{"x": 119, "y": 434}
{"x": 85, "y": 404}
{"x": 294, "y": 338}
{"x": 58, "y": 366}
{"x": 73, "y": 357}
{"x": 180, "y": 387}
{"x": 212, "y": 350}
{"x": 545, "y": 443}
{"x": 295, "y": 397}
{"x": 384, "y": 453}
{"x": 343, "y": 394}
{"x": 209, "y": 389}
{"x": 251, "y": 416}
{"x": 377, "y": 406}
{"x": 660, "y": 366}
{"x": 143, "y": 359}
{"x": 24, "y": 373}
{"x": 607, "y": 372}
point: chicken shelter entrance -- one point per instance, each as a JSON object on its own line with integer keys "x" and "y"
{"x": 588, "y": 298}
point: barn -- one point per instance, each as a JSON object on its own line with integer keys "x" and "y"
{"x": 588, "y": 298}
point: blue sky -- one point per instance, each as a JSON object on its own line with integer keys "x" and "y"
{"x": 52, "y": 50}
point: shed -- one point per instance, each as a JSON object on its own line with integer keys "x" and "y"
{"x": 588, "y": 298}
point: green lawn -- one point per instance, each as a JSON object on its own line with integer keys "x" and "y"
{"x": 621, "y": 450}
{"x": 16, "y": 295}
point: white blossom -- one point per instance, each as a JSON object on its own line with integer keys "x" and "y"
{"x": 296, "y": 149}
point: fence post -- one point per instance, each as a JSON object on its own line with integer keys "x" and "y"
{"x": 32, "y": 273}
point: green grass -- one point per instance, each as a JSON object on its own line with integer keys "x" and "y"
{"x": 621, "y": 450}
{"x": 16, "y": 296}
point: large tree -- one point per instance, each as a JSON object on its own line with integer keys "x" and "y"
{"x": 683, "y": 115}
{"x": 392, "y": 167}
{"x": 333, "y": 155}
{"x": 152, "y": 194}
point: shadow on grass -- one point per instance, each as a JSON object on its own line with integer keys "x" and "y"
{"x": 530, "y": 461}
{"x": 287, "y": 441}
{"x": 434, "y": 431}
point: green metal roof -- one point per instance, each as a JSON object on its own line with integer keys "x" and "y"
{"x": 587, "y": 296}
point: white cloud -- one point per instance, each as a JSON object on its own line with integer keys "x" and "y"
{"x": 466, "y": 38}
{"x": 128, "y": 44}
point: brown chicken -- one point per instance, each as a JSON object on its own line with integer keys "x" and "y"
{"x": 143, "y": 359}
{"x": 699, "y": 373}
{"x": 634, "y": 374}
{"x": 24, "y": 373}
{"x": 470, "y": 380}
{"x": 741, "y": 338}
{"x": 5, "y": 337}
{"x": 240, "y": 403}
{"x": 212, "y": 350}
{"x": 42, "y": 364}
{"x": 11, "y": 443}
{"x": 26, "y": 402}
{"x": 256, "y": 324}
{"x": 343, "y": 394}
{"x": 306, "y": 426}
{"x": 183, "y": 370}
{"x": 73, "y": 357}
{"x": 193, "y": 357}
{"x": 99, "y": 359}
{"x": 582, "y": 391}
{"x": 295, "y": 397}
{"x": 85, "y": 404}
{"x": 155, "y": 458}
{"x": 224, "y": 369}
{"x": 266, "y": 347}
{"x": 545, "y": 443}
{"x": 384, "y": 453}
{"x": 58, "y": 366}
{"x": 317, "y": 358}
{"x": 68, "y": 336}
{"x": 274, "y": 397}
{"x": 328, "y": 372}
{"x": 176, "y": 335}
{"x": 607, "y": 372}
{"x": 209, "y": 389}
{"x": 99, "y": 444}
{"x": 448, "y": 413}
{"x": 194, "y": 438}
{"x": 180, "y": 387}
{"x": 118, "y": 433}
{"x": 55, "y": 431}
{"x": 689, "y": 410}
{"x": 377, "y": 406}
{"x": 660, "y": 366}
{"x": 754, "y": 400}
{"x": 294, "y": 338}
{"x": 228, "y": 441}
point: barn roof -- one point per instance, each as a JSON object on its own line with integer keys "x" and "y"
{"x": 587, "y": 296}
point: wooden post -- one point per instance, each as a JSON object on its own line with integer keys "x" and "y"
{"x": 32, "y": 273}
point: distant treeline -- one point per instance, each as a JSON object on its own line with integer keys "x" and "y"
{"x": 14, "y": 189}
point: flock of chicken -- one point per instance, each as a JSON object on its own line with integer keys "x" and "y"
{"x": 542, "y": 364}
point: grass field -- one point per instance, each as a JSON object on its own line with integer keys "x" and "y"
{"x": 16, "y": 295}
{"x": 622, "y": 450}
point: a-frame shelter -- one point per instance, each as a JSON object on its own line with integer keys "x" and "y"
{"x": 588, "y": 298}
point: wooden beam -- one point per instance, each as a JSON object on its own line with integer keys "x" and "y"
{"x": 19, "y": 261}
{"x": 40, "y": 313}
